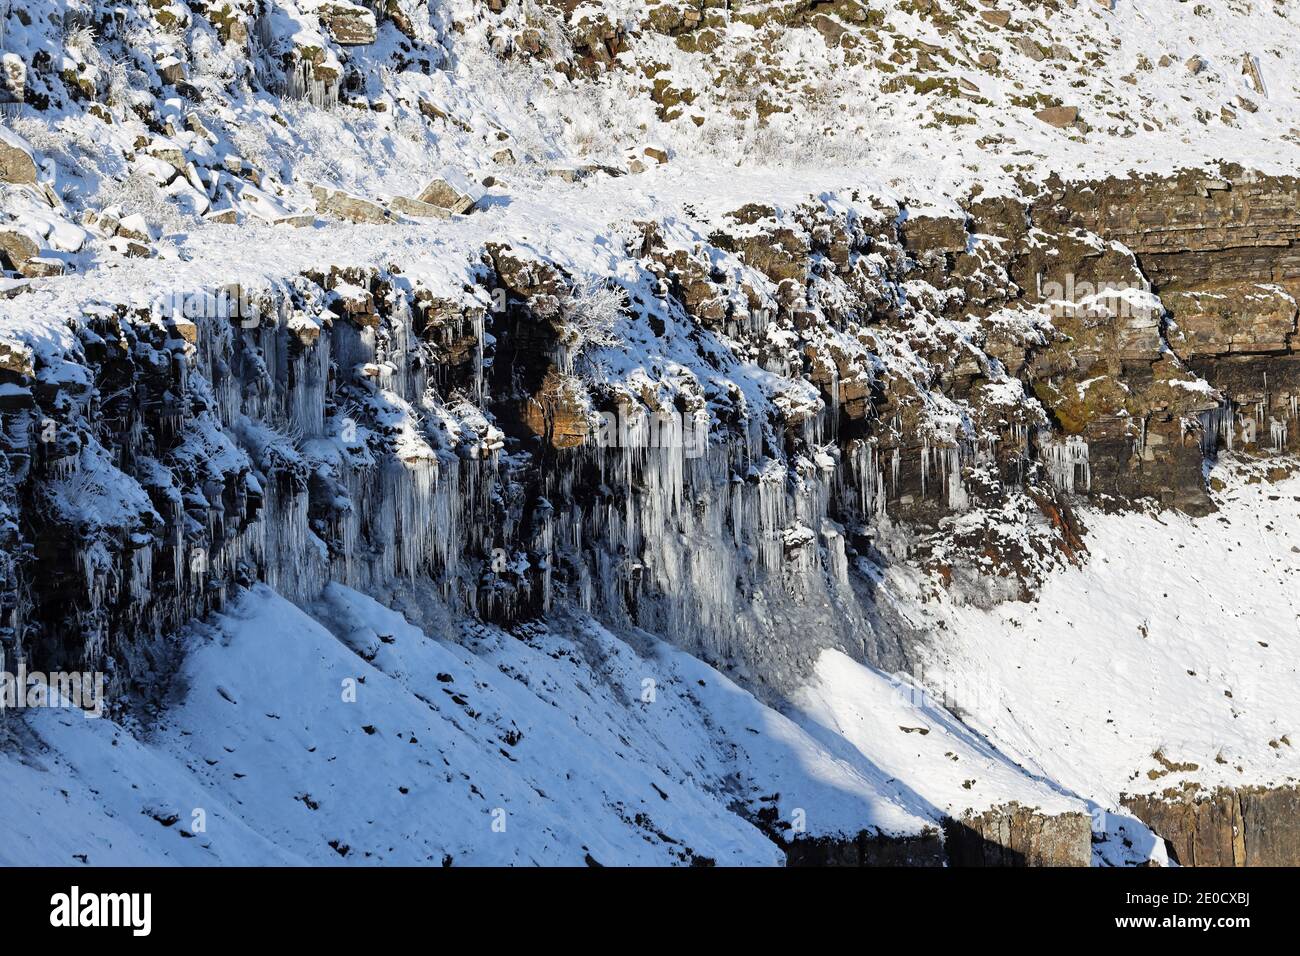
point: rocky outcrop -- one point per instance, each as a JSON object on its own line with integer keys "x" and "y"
{"x": 17, "y": 164}
{"x": 17, "y": 249}
{"x": 1223, "y": 252}
{"x": 451, "y": 192}
{"x": 1244, "y": 826}
{"x": 1009, "y": 835}
{"x": 979, "y": 391}
{"x": 1232, "y": 318}
{"x": 350, "y": 24}
{"x": 345, "y": 205}
{"x": 1013, "y": 835}
{"x": 1196, "y": 230}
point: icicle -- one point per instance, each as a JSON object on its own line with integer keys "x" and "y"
{"x": 307, "y": 392}
{"x": 300, "y": 83}
{"x": 834, "y": 409}
{"x": 1065, "y": 460}
{"x": 837, "y": 563}
{"x": 1217, "y": 428}
{"x": 869, "y": 479}
{"x": 141, "y": 573}
{"x": 925, "y": 465}
{"x": 957, "y": 497}
{"x": 1278, "y": 433}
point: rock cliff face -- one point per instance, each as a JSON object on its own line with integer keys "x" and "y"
{"x": 164, "y": 460}
{"x": 1019, "y": 836}
{"x": 1249, "y": 826}
{"x": 1002, "y": 836}
{"x": 1223, "y": 252}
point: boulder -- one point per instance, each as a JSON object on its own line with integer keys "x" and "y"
{"x": 350, "y": 24}
{"x": 135, "y": 227}
{"x": 230, "y": 20}
{"x": 570, "y": 174}
{"x": 186, "y": 329}
{"x": 18, "y": 247}
{"x": 1250, "y": 70}
{"x": 419, "y": 210}
{"x": 17, "y": 165}
{"x": 171, "y": 70}
{"x": 167, "y": 150}
{"x": 450, "y": 191}
{"x": 16, "y": 359}
{"x": 303, "y": 220}
{"x": 344, "y": 205}
{"x": 1029, "y": 48}
{"x": 41, "y": 267}
{"x": 13, "y": 79}
{"x": 1058, "y": 116}
{"x": 261, "y": 204}
{"x": 401, "y": 19}
{"x": 130, "y": 248}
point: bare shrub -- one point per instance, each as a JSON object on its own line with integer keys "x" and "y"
{"x": 588, "y": 316}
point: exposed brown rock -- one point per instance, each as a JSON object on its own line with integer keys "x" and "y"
{"x": 1224, "y": 253}
{"x": 419, "y": 210}
{"x": 336, "y": 202}
{"x": 17, "y": 248}
{"x": 935, "y": 233}
{"x": 1013, "y": 835}
{"x": 16, "y": 359}
{"x": 1232, "y": 318}
{"x": 350, "y": 24}
{"x": 1009, "y": 835}
{"x": 16, "y": 162}
{"x": 1247, "y": 826}
{"x": 1058, "y": 116}
{"x": 43, "y": 267}
{"x": 454, "y": 198}
{"x": 557, "y": 414}
{"x": 297, "y": 221}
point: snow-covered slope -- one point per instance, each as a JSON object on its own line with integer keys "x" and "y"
{"x": 1168, "y": 659}
{"x": 285, "y": 743}
{"x": 185, "y": 111}
{"x": 382, "y": 745}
